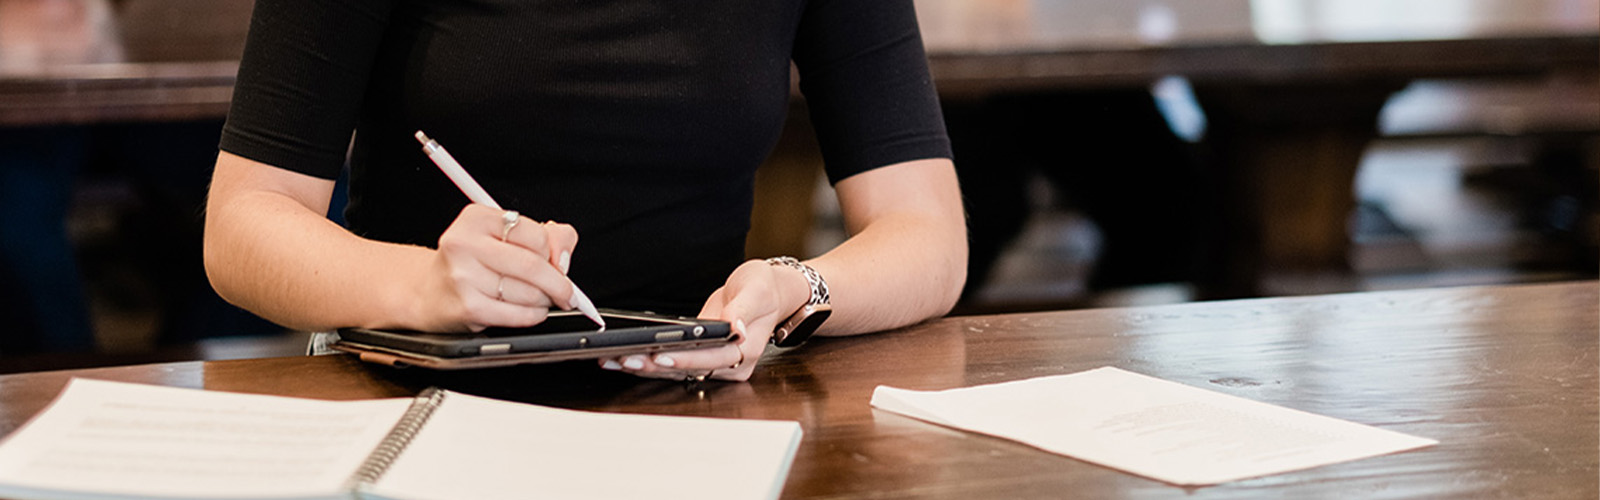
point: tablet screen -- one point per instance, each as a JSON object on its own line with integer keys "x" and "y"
{"x": 568, "y": 324}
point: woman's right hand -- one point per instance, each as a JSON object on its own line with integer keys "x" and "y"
{"x": 483, "y": 275}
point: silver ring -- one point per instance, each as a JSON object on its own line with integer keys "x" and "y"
{"x": 508, "y": 221}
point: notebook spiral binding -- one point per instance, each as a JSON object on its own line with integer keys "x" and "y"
{"x": 399, "y": 437}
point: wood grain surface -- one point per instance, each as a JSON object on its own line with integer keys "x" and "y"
{"x": 1504, "y": 377}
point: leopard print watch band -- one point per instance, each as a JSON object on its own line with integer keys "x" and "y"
{"x": 819, "y": 287}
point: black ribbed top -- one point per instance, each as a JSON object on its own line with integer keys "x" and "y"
{"x": 640, "y": 122}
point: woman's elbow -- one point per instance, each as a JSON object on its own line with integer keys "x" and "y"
{"x": 217, "y": 268}
{"x": 220, "y": 259}
{"x": 951, "y": 276}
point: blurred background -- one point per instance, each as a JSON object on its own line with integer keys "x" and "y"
{"x": 1112, "y": 152}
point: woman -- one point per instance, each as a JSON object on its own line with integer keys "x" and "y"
{"x": 637, "y": 123}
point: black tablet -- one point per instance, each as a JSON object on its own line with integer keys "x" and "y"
{"x": 562, "y": 336}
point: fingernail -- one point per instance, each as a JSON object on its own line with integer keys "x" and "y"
{"x": 611, "y": 364}
{"x": 666, "y": 361}
{"x": 564, "y": 262}
{"x": 633, "y": 363}
{"x": 738, "y": 326}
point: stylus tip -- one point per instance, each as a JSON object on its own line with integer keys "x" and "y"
{"x": 586, "y": 306}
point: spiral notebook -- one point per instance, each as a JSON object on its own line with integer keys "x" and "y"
{"x": 105, "y": 440}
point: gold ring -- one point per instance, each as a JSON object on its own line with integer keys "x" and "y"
{"x": 741, "y": 359}
{"x": 500, "y": 289}
{"x": 508, "y": 221}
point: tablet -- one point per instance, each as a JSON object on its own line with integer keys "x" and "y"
{"x": 564, "y": 335}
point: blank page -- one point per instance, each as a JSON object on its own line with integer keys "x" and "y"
{"x": 485, "y": 449}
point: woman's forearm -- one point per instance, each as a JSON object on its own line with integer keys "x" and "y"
{"x": 269, "y": 249}
{"x": 906, "y": 259}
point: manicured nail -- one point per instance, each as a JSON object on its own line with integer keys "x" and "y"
{"x": 738, "y": 326}
{"x": 611, "y": 364}
{"x": 633, "y": 363}
{"x": 666, "y": 361}
{"x": 564, "y": 262}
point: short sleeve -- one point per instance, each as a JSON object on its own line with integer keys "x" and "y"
{"x": 301, "y": 81}
{"x": 865, "y": 78}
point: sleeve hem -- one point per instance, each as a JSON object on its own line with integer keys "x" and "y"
{"x": 846, "y": 165}
{"x": 319, "y": 166}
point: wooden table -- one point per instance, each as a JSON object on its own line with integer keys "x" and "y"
{"x": 979, "y": 46}
{"x": 1292, "y": 88}
{"x": 1504, "y": 377}
{"x": 105, "y": 60}
{"x": 98, "y": 61}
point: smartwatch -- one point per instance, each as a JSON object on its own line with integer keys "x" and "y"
{"x": 804, "y": 322}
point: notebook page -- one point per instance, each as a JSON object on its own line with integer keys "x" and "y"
{"x": 1147, "y": 426}
{"x": 486, "y": 449}
{"x": 133, "y": 440}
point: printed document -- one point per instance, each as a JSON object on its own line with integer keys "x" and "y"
{"x": 1154, "y": 428}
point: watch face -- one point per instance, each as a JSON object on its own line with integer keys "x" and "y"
{"x": 799, "y": 327}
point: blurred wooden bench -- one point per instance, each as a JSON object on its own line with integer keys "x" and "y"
{"x": 1536, "y": 140}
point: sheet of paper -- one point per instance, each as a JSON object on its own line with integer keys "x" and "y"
{"x": 136, "y": 440}
{"x": 486, "y": 449}
{"x": 1147, "y": 426}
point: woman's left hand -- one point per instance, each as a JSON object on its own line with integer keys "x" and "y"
{"x": 755, "y": 298}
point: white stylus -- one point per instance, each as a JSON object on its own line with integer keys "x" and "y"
{"x": 474, "y": 192}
